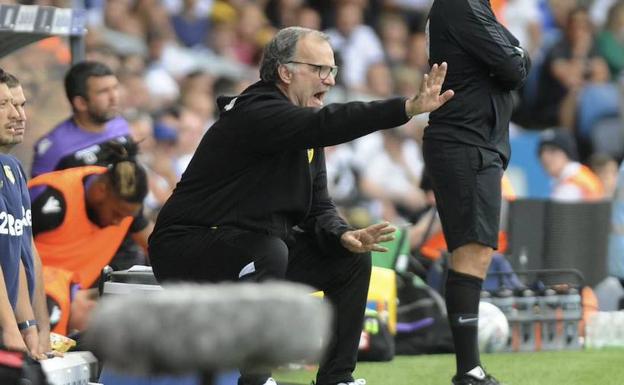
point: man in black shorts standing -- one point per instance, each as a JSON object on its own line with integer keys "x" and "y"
{"x": 466, "y": 148}
{"x": 253, "y": 202}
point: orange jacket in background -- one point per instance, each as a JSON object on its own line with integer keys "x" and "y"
{"x": 78, "y": 245}
{"x": 507, "y": 190}
{"x": 589, "y": 184}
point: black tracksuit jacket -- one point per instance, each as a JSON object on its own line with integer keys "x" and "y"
{"x": 485, "y": 64}
{"x": 261, "y": 166}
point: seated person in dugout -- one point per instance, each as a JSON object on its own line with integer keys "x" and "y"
{"x": 80, "y": 219}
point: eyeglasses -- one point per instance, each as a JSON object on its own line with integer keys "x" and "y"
{"x": 323, "y": 70}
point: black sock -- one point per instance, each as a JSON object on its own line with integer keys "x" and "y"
{"x": 463, "y": 292}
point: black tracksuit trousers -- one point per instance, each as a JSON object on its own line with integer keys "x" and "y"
{"x": 221, "y": 254}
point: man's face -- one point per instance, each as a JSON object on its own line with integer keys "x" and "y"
{"x": 305, "y": 87}
{"x": 579, "y": 26}
{"x": 19, "y": 102}
{"x": 112, "y": 210}
{"x": 102, "y": 98}
{"x": 9, "y": 118}
{"x": 348, "y": 17}
{"x": 553, "y": 160}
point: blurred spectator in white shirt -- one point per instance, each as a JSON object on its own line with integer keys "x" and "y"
{"x": 418, "y": 52}
{"x": 356, "y": 43}
{"x": 524, "y": 21}
{"x": 394, "y": 36}
{"x": 392, "y": 176}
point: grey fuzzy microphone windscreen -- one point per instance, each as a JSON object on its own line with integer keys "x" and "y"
{"x": 193, "y": 327}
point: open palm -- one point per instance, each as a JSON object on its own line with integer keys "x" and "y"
{"x": 368, "y": 239}
{"x": 429, "y": 98}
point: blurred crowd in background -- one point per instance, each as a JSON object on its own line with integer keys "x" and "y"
{"x": 174, "y": 57}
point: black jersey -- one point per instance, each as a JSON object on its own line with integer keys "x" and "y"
{"x": 485, "y": 63}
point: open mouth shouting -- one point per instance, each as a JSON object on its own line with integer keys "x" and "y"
{"x": 317, "y": 99}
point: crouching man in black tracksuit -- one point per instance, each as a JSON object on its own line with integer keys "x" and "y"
{"x": 253, "y": 202}
{"x": 466, "y": 148}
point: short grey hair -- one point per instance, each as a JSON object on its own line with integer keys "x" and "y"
{"x": 281, "y": 49}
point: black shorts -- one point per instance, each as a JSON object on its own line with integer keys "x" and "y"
{"x": 466, "y": 181}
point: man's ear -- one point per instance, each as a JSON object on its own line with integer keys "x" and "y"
{"x": 80, "y": 103}
{"x": 284, "y": 73}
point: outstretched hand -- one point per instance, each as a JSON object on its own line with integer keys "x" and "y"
{"x": 429, "y": 98}
{"x": 368, "y": 239}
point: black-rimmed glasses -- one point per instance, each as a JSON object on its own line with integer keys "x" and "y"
{"x": 323, "y": 70}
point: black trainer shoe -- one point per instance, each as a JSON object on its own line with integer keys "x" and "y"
{"x": 475, "y": 377}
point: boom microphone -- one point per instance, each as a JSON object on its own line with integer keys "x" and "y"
{"x": 191, "y": 327}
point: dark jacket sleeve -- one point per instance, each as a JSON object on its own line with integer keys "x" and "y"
{"x": 323, "y": 220}
{"x": 274, "y": 124}
{"x": 480, "y": 34}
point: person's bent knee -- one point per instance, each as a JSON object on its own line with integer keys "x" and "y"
{"x": 472, "y": 258}
{"x": 270, "y": 259}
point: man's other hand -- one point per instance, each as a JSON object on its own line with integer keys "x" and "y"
{"x": 31, "y": 338}
{"x": 44, "y": 341}
{"x": 429, "y": 98}
{"x": 368, "y": 239}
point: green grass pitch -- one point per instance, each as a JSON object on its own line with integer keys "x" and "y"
{"x": 589, "y": 367}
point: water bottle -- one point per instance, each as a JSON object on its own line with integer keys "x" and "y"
{"x": 572, "y": 314}
{"x": 550, "y": 313}
{"x": 526, "y": 306}
{"x": 504, "y": 300}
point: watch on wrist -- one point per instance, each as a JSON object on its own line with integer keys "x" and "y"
{"x": 26, "y": 324}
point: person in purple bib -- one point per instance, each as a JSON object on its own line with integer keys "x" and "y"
{"x": 83, "y": 139}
